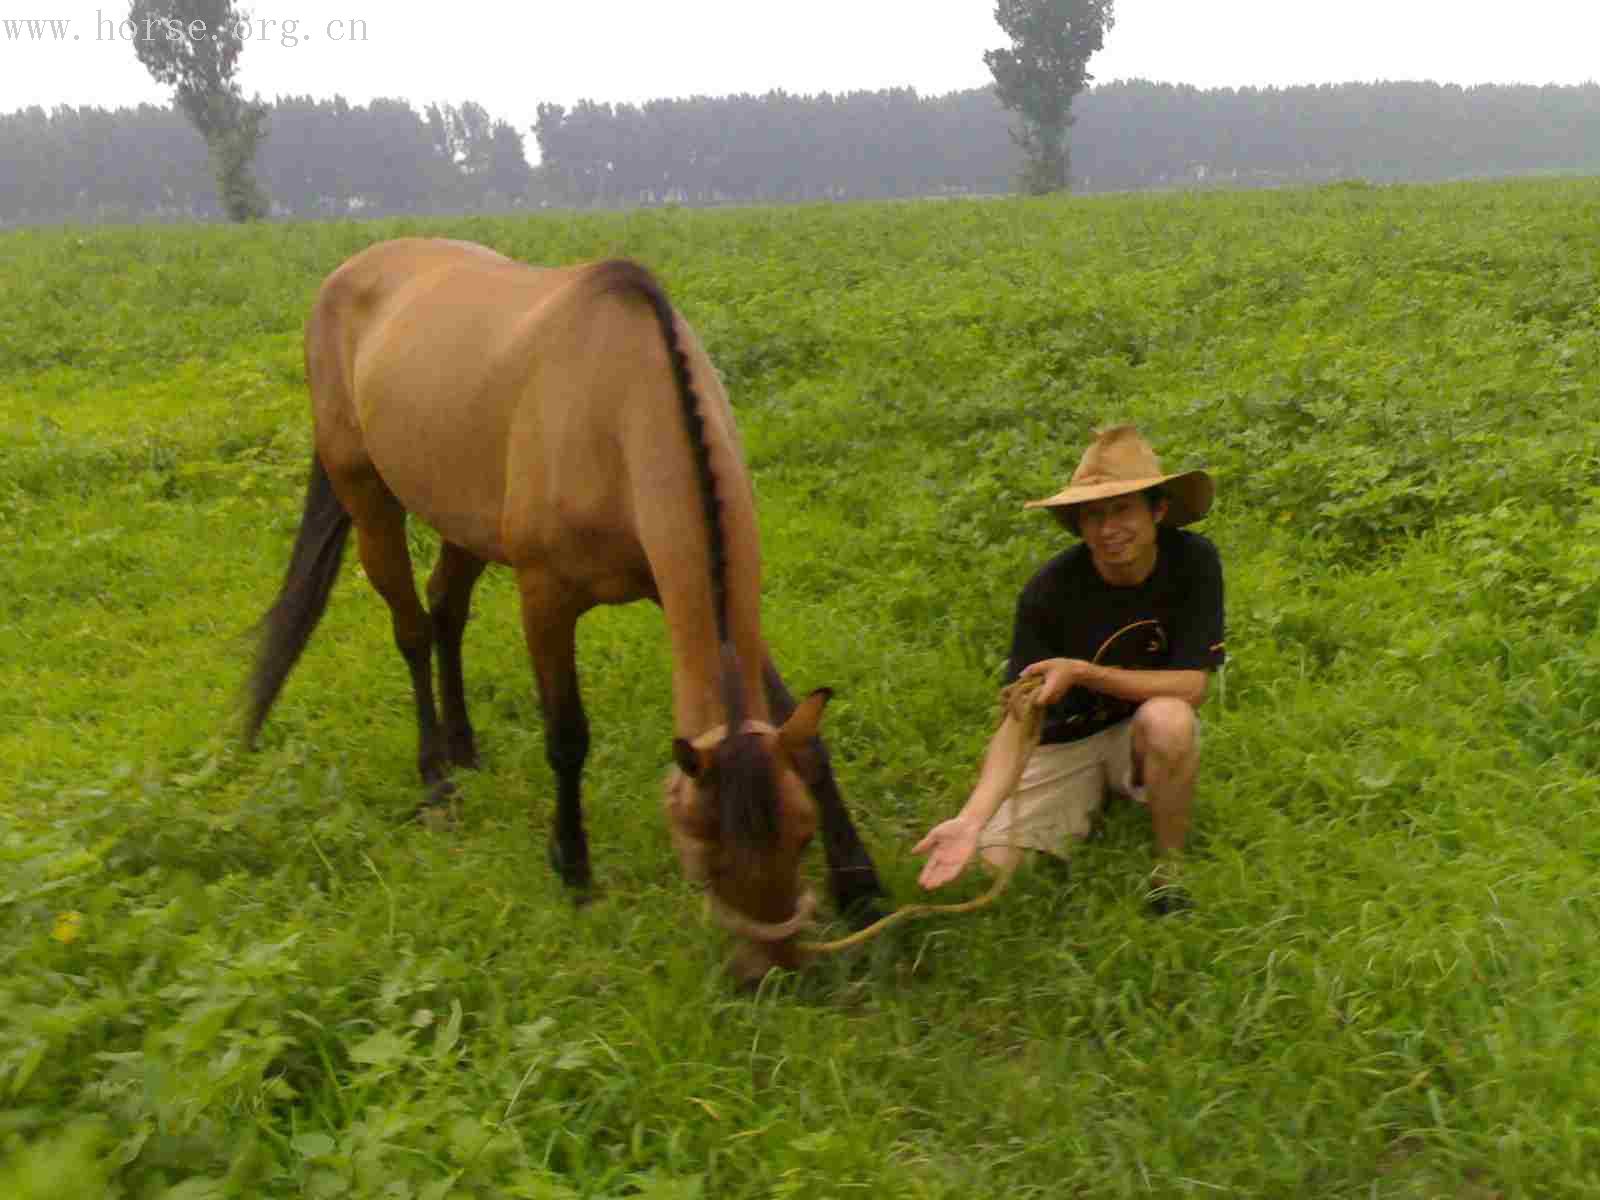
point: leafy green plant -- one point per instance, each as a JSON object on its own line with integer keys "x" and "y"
{"x": 225, "y": 974}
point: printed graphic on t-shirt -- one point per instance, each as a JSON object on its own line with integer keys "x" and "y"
{"x": 1139, "y": 646}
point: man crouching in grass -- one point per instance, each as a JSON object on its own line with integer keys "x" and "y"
{"x": 1123, "y": 630}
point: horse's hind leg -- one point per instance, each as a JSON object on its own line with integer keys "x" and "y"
{"x": 449, "y": 602}
{"x": 381, "y": 535}
{"x": 852, "y": 878}
{"x": 550, "y": 614}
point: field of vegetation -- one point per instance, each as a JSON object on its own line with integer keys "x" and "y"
{"x": 228, "y": 974}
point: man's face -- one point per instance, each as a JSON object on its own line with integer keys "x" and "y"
{"x": 1121, "y": 533}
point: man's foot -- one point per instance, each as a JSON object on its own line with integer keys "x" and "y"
{"x": 1167, "y": 894}
{"x": 1164, "y": 902}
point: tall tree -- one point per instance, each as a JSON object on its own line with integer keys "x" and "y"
{"x": 194, "y": 46}
{"x": 507, "y": 173}
{"x": 1037, "y": 77}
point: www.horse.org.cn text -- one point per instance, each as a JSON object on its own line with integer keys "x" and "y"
{"x": 287, "y": 32}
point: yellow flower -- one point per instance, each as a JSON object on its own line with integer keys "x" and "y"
{"x": 68, "y": 926}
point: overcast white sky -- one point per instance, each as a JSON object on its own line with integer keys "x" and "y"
{"x": 509, "y": 57}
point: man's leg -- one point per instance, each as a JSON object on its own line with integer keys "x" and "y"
{"x": 1166, "y": 752}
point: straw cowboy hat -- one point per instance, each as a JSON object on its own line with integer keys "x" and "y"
{"x": 1120, "y": 461}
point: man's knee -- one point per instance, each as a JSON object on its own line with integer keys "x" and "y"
{"x": 1167, "y": 728}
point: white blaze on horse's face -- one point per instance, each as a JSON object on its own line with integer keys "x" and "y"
{"x": 752, "y": 876}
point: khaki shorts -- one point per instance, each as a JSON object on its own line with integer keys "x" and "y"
{"x": 1061, "y": 790}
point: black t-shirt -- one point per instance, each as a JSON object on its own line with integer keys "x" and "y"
{"x": 1170, "y": 622}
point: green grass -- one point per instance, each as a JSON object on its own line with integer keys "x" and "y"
{"x": 277, "y": 987}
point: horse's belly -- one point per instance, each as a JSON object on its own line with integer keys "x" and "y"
{"x": 579, "y": 531}
{"x": 445, "y": 471}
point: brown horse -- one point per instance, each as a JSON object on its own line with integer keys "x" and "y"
{"x": 568, "y": 424}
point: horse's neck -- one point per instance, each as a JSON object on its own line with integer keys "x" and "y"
{"x": 676, "y": 531}
{"x": 698, "y": 693}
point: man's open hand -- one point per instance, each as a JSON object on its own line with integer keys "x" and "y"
{"x": 949, "y": 846}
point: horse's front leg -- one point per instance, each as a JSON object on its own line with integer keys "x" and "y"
{"x": 550, "y": 612}
{"x": 852, "y": 879}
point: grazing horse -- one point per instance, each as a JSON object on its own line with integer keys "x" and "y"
{"x": 566, "y": 423}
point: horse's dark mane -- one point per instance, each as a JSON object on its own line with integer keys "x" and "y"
{"x": 622, "y": 274}
{"x": 747, "y": 787}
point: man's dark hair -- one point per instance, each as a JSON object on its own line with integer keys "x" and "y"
{"x": 1068, "y": 516}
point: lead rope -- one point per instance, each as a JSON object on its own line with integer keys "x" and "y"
{"x": 1015, "y": 701}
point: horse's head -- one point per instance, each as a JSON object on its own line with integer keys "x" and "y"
{"x": 741, "y": 817}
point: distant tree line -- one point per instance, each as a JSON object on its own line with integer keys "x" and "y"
{"x": 319, "y": 158}
{"x": 332, "y": 158}
{"x": 1139, "y": 135}
{"x": 776, "y": 148}
{"x": 1127, "y": 135}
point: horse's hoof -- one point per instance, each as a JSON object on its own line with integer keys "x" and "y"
{"x": 436, "y": 818}
{"x": 575, "y": 874}
{"x": 463, "y": 753}
{"x": 863, "y": 911}
{"x": 860, "y": 902}
{"x": 439, "y": 812}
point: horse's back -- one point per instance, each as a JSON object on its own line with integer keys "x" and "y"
{"x": 406, "y": 356}
{"x": 496, "y": 400}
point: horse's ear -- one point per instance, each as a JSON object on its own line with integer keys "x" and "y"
{"x": 804, "y": 722}
{"x": 692, "y": 761}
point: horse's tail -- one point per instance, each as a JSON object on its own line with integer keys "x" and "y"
{"x": 289, "y": 623}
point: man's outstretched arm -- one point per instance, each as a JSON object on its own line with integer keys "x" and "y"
{"x": 951, "y": 844}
